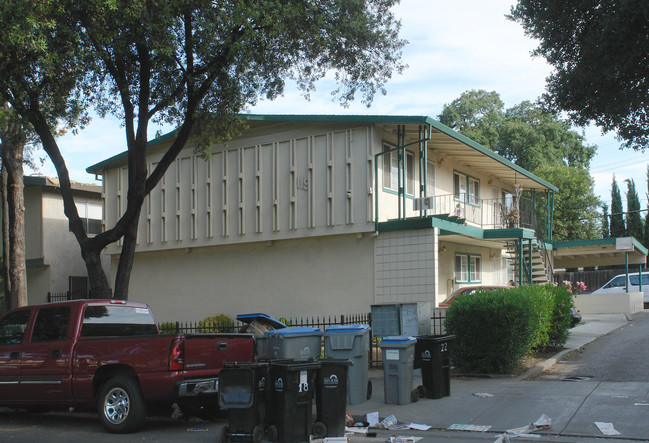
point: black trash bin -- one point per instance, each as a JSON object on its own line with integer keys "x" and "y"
{"x": 331, "y": 397}
{"x": 244, "y": 392}
{"x": 433, "y": 356}
{"x": 292, "y": 391}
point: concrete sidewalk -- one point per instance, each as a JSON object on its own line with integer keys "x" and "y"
{"x": 515, "y": 402}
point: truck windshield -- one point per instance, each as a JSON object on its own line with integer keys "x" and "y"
{"x": 108, "y": 321}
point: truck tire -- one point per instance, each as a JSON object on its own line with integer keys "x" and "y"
{"x": 121, "y": 406}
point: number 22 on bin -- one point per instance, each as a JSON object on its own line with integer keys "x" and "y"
{"x": 304, "y": 382}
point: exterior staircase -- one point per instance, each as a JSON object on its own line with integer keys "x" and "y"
{"x": 540, "y": 262}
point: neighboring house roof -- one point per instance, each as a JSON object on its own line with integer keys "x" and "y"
{"x": 53, "y": 183}
{"x": 448, "y": 143}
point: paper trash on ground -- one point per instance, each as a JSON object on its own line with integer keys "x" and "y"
{"x": 372, "y": 419}
{"x": 355, "y": 430}
{"x": 542, "y": 423}
{"x": 404, "y": 439}
{"x": 419, "y": 427}
{"x": 462, "y": 427}
{"x": 483, "y": 394}
{"x": 606, "y": 428}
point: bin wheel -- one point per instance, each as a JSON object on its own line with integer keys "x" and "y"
{"x": 369, "y": 389}
{"x": 224, "y": 435}
{"x": 414, "y": 396}
{"x": 421, "y": 390}
{"x": 271, "y": 433}
{"x": 257, "y": 434}
{"x": 319, "y": 429}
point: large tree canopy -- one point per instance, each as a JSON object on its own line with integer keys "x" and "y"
{"x": 600, "y": 53}
{"x": 527, "y": 134}
{"x": 538, "y": 140}
{"x": 192, "y": 63}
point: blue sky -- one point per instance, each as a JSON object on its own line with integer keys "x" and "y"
{"x": 453, "y": 47}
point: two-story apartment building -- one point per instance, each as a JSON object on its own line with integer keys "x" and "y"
{"x": 318, "y": 215}
{"x": 53, "y": 257}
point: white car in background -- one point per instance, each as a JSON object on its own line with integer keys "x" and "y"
{"x": 618, "y": 284}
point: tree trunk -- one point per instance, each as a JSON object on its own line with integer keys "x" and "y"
{"x": 96, "y": 277}
{"x": 13, "y": 146}
{"x": 5, "y": 240}
{"x": 126, "y": 259}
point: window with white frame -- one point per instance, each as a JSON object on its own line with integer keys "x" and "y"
{"x": 466, "y": 189}
{"x": 430, "y": 178}
{"x": 468, "y": 268}
{"x": 91, "y": 215}
{"x": 391, "y": 170}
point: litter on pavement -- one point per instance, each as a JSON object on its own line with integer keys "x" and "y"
{"x": 542, "y": 423}
{"x": 483, "y": 394}
{"x": 462, "y": 427}
{"x": 606, "y": 428}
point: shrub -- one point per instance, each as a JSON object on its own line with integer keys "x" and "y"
{"x": 168, "y": 327}
{"x": 561, "y": 316}
{"x": 494, "y": 330}
{"x": 542, "y": 307}
{"x": 216, "y": 323}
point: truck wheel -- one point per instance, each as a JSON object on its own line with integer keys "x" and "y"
{"x": 121, "y": 406}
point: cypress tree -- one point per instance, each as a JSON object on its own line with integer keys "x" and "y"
{"x": 617, "y": 213}
{"x": 645, "y": 240}
{"x": 605, "y": 224}
{"x": 633, "y": 218}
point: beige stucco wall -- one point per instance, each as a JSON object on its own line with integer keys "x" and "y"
{"x": 307, "y": 277}
{"x": 33, "y": 223}
{"x": 618, "y": 303}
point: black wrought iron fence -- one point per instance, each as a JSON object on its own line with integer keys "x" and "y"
{"x": 58, "y": 296}
{"x": 375, "y": 361}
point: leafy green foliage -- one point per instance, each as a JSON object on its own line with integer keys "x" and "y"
{"x": 216, "y": 323}
{"x": 576, "y": 214}
{"x": 561, "y": 318}
{"x": 495, "y": 329}
{"x": 168, "y": 327}
{"x": 599, "y": 52}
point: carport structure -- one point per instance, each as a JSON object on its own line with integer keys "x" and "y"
{"x": 625, "y": 251}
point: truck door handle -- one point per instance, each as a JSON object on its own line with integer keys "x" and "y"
{"x": 14, "y": 355}
{"x": 55, "y": 354}
{"x": 222, "y": 346}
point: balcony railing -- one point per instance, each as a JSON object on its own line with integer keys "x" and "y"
{"x": 484, "y": 213}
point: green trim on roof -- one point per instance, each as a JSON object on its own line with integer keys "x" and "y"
{"x": 598, "y": 242}
{"x": 396, "y": 119}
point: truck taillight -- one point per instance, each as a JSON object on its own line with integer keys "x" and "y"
{"x": 177, "y": 354}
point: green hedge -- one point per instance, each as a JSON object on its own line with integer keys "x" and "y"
{"x": 495, "y": 329}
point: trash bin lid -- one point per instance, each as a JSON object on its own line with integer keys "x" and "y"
{"x": 262, "y": 318}
{"x": 397, "y": 341}
{"x": 347, "y": 328}
{"x": 296, "y": 330}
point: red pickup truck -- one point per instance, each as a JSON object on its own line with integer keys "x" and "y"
{"x": 110, "y": 355}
